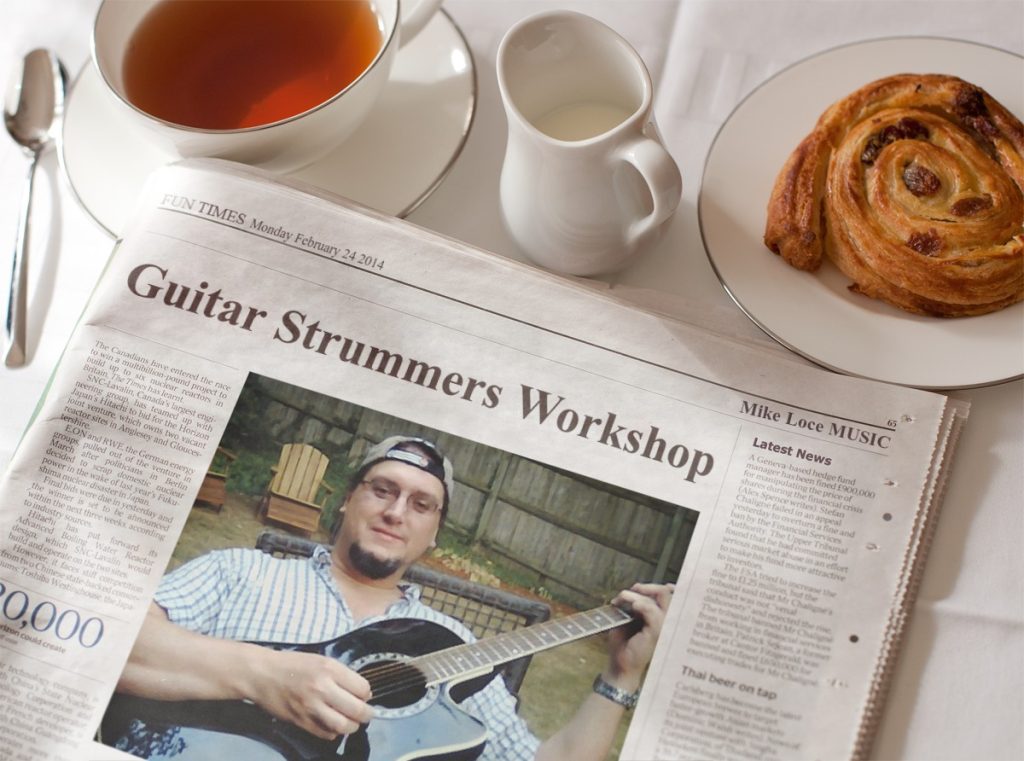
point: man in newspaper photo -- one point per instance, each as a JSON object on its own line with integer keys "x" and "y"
{"x": 197, "y": 646}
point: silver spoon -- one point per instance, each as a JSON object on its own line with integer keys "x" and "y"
{"x": 32, "y": 110}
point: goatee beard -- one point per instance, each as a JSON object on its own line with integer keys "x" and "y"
{"x": 371, "y": 566}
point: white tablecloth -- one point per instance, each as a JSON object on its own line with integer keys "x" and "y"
{"x": 959, "y": 691}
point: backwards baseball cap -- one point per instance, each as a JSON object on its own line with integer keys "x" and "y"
{"x": 394, "y": 448}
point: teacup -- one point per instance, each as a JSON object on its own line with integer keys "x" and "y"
{"x": 586, "y": 181}
{"x": 286, "y": 141}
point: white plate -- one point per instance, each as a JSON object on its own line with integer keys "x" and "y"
{"x": 815, "y": 314}
{"x": 396, "y": 158}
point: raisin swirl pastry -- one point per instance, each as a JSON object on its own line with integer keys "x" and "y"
{"x": 913, "y": 186}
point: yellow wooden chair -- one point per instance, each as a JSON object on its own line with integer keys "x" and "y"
{"x": 297, "y": 491}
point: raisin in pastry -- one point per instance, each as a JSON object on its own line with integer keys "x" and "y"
{"x": 913, "y": 186}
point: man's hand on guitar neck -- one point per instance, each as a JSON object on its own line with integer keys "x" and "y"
{"x": 590, "y": 732}
{"x": 630, "y": 650}
{"x": 312, "y": 691}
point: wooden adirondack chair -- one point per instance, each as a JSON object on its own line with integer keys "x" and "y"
{"x": 293, "y": 497}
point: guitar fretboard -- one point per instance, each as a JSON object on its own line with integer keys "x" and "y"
{"x": 445, "y": 665}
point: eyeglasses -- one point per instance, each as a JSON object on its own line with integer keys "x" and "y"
{"x": 387, "y": 493}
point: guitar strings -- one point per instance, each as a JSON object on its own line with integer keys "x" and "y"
{"x": 395, "y": 677}
{"x": 401, "y": 666}
{"x": 395, "y": 685}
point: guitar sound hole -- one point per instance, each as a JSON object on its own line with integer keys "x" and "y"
{"x": 394, "y": 684}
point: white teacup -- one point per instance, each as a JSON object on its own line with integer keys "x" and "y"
{"x": 586, "y": 181}
{"x": 282, "y": 145}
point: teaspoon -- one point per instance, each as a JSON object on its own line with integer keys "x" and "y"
{"x": 32, "y": 110}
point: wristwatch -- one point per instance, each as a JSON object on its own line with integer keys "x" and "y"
{"x": 625, "y": 699}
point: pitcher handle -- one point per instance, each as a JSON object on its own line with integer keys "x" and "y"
{"x": 659, "y": 170}
{"x": 413, "y": 16}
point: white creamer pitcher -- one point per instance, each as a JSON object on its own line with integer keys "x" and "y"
{"x": 586, "y": 181}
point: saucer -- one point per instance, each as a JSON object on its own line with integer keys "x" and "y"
{"x": 396, "y": 158}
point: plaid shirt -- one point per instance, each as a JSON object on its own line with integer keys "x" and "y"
{"x": 249, "y": 595}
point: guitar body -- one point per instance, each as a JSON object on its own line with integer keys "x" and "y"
{"x": 412, "y": 721}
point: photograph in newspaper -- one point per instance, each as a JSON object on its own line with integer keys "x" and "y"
{"x": 326, "y": 531}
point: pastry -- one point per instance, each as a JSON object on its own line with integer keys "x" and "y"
{"x": 914, "y": 186}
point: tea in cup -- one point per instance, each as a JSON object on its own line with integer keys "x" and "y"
{"x": 586, "y": 181}
{"x": 274, "y": 83}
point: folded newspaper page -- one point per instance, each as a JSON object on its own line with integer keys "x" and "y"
{"x": 311, "y": 482}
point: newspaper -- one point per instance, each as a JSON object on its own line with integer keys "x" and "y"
{"x": 812, "y": 496}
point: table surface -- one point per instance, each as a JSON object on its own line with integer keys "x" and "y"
{"x": 959, "y": 688}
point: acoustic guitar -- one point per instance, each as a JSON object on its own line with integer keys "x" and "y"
{"x": 419, "y": 673}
